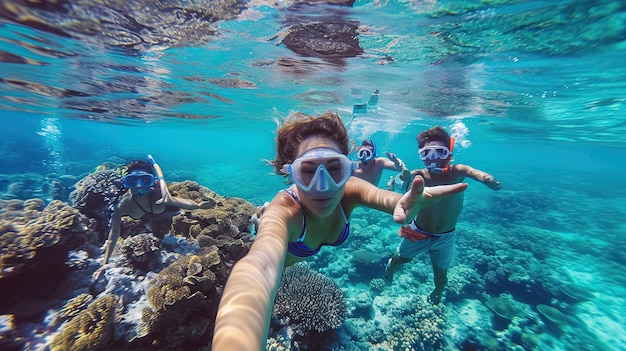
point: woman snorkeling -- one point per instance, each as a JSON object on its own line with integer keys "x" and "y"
{"x": 148, "y": 194}
{"x": 314, "y": 211}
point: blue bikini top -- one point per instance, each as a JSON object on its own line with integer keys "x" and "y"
{"x": 298, "y": 248}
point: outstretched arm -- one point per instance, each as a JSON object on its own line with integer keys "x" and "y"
{"x": 401, "y": 206}
{"x": 419, "y": 197}
{"x": 114, "y": 234}
{"x": 478, "y": 175}
{"x": 185, "y": 203}
{"x": 168, "y": 199}
{"x": 243, "y": 317}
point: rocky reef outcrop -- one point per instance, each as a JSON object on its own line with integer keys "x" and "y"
{"x": 161, "y": 290}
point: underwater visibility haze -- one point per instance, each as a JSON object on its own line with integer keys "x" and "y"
{"x": 533, "y": 91}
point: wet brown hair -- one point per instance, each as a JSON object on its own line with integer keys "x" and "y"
{"x": 433, "y": 134}
{"x": 139, "y": 165}
{"x": 299, "y": 126}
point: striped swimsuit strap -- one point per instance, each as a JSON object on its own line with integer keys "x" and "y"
{"x": 298, "y": 248}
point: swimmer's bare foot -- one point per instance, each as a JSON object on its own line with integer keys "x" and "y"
{"x": 435, "y": 297}
{"x": 388, "y": 270}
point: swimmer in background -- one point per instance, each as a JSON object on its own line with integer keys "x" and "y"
{"x": 433, "y": 229}
{"x": 370, "y": 167}
{"x": 145, "y": 192}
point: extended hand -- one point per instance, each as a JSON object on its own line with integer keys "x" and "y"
{"x": 97, "y": 274}
{"x": 398, "y": 162}
{"x": 419, "y": 197}
{"x": 492, "y": 183}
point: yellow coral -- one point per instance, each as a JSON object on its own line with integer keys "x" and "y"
{"x": 89, "y": 329}
{"x": 73, "y": 307}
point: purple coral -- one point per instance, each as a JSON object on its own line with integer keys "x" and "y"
{"x": 308, "y": 300}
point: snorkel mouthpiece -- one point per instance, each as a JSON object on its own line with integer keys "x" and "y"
{"x": 142, "y": 191}
{"x": 435, "y": 169}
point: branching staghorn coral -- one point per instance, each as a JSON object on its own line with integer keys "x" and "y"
{"x": 308, "y": 300}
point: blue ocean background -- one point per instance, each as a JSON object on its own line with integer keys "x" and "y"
{"x": 534, "y": 92}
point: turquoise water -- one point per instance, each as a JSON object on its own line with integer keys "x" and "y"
{"x": 535, "y": 90}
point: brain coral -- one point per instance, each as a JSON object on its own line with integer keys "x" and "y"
{"x": 184, "y": 299}
{"x": 34, "y": 245}
{"x": 308, "y": 300}
{"x": 89, "y": 329}
{"x": 95, "y": 194}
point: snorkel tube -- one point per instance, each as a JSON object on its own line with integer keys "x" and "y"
{"x": 433, "y": 168}
{"x": 160, "y": 178}
{"x": 361, "y": 108}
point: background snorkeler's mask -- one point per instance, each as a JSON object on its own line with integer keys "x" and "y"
{"x": 138, "y": 179}
{"x": 367, "y": 154}
{"x": 434, "y": 152}
{"x": 320, "y": 170}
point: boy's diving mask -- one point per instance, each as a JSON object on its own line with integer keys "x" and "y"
{"x": 434, "y": 152}
{"x": 138, "y": 179}
{"x": 367, "y": 152}
{"x": 320, "y": 170}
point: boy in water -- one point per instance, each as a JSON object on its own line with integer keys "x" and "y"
{"x": 370, "y": 167}
{"x": 433, "y": 228}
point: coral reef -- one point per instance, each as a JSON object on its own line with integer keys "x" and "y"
{"x": 377, "y": 285}
{"x": 553, "y": 315}
{"x": 169, "y": 286}
{"x": 184, "y": 299}
{"x": 361, "y": 306}
{"x": 366, "y": 257}
{"x": 95, "y": 194}
{"x": 420, "y": 327}
{"x": 504, "y": 309}
{"x": 308, "y": 301}
{"x": 89, "y": 329}
{"x": 226, "y": 224}
{"x": 34, "y": 242}
{"x": 140, "y": 251}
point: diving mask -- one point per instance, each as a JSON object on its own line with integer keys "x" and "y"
{"x": 320, "y": 170}
{"x": 367, "y": 152}
{"x": 433, "y": 152}
{"x": 138, "y": 179}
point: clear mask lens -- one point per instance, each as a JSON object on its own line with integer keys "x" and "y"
{"x": 365, "y": 155}
{"x": 434, "y": 152}
{"x": 320, "y": 170}
{"x": 138, "y": 180}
